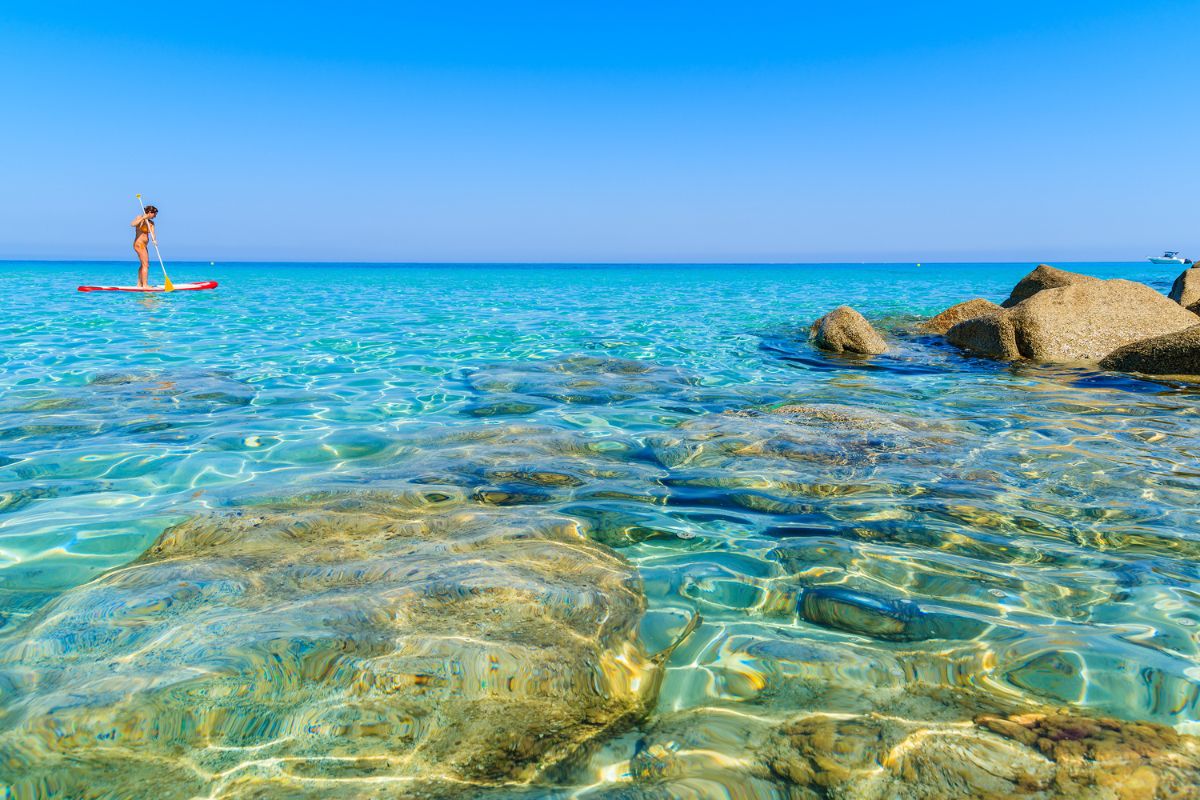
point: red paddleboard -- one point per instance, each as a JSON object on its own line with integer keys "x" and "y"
{"x": 179, "y": 287}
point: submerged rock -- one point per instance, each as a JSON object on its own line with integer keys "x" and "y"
{"x": 1081, "y": 322}
{"x": 824, "y": 433}
{"x": 957, "y": 313}
{"x": 885, "y": 618}
{"x": 367, "y": 638}
{"x": 836, "y": 416}
{"x": 844, "y": 330}
{"x": 1186, "y": 289}
{"x": 508, "y": 462}
{"x": 782, "y": 460}
{"x": 1175, "y": 353}
{"x": 1045, "y": 277}
{"x": 709, "y": 752}
{"x": 653, "y": 761}
{"x": 1104, "y": 757}
{"x": 1040, "y": 756}
{"x": 574, "y": 380}
{"x": 197, "y": 390}
{"x": 617, "y": 527}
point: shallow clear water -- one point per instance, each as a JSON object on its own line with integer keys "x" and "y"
{"x": 924, "y": 520}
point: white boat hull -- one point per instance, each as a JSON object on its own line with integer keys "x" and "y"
{"x": 1160, "y": 260}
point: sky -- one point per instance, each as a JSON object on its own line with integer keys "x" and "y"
{"x": 608, "y": 131}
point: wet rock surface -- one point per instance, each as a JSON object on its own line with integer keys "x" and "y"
{"x": 1081, "y": 322}
{"x": 844, "y": 330}
{"x": 329, "y": 644}
{"x": 960, "y": 312}
{"x": 1186, "y": 289}
{"x": 1045, "y": 277}
{"x": 1086, "y": 321}
{"x": 1175, "y": 353}
{"x": 990, "y": 335}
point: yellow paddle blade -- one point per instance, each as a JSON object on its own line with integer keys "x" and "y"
{"x": 167, "y": 285}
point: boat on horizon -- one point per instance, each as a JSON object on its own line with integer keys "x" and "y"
{"x": 1170, "y": 257}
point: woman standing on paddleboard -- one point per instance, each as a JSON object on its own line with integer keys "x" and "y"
{"x": 143, "y": 227}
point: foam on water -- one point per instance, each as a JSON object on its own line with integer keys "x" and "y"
{"x": 920, "y": 534}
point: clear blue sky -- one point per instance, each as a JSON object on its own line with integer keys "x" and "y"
{"x": 603, "y": 131}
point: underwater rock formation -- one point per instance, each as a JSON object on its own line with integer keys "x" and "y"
{"x": 922, "y": 747}
{"x": 959, "y": 312}
{"x": 509, "y": 462}
{"x": 331, "y": 645}
{"x": 1043, "y": 756}
{"x": 191, "y": 389}
{"x": 890, "y": 619}
{"x": 523, "y": 387}
{"x": 824, "y": 433}
{"x": 844, "y": 330}
{"x": 777, "y": 460}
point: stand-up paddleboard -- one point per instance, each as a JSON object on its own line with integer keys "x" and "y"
{"x": 179, "y": 287}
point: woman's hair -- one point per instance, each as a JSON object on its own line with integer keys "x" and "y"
{"x": 151, "y": 209}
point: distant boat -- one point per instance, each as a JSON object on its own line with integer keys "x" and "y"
{"x": 1170, "y": 257}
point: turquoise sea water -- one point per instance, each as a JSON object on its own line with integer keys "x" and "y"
{"x": 1027, "y": 532}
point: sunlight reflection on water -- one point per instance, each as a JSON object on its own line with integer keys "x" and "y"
{"x": 921, "y": 534}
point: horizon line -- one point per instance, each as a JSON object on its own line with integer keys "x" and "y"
{"x": 213, "y": 262}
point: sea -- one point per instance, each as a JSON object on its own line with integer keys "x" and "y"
{"x": 229, "y": 517}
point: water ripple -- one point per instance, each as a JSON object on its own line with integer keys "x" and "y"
{"x": 913, "y": 539}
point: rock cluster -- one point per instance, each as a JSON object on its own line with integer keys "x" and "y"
{"x": 1058, "y": 317}
{"x": 1080, "y": 322}
{"x": 1054, "y": 316}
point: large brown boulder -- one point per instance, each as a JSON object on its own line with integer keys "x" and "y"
{"x": 844, "y": 330}
{"x": 1186, "y": 290}
{"x": 957, "y": 313}
{"x": 1042, "y": 278}
{"x": 1086, "y": 321}
{"x": 1175, "y": 353}
{"x": 1081, "y": 322}
{"x": 415, "y": 640}
{"x": 990, "y": 335}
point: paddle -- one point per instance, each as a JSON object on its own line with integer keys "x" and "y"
{"x": 167, "y": 285}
